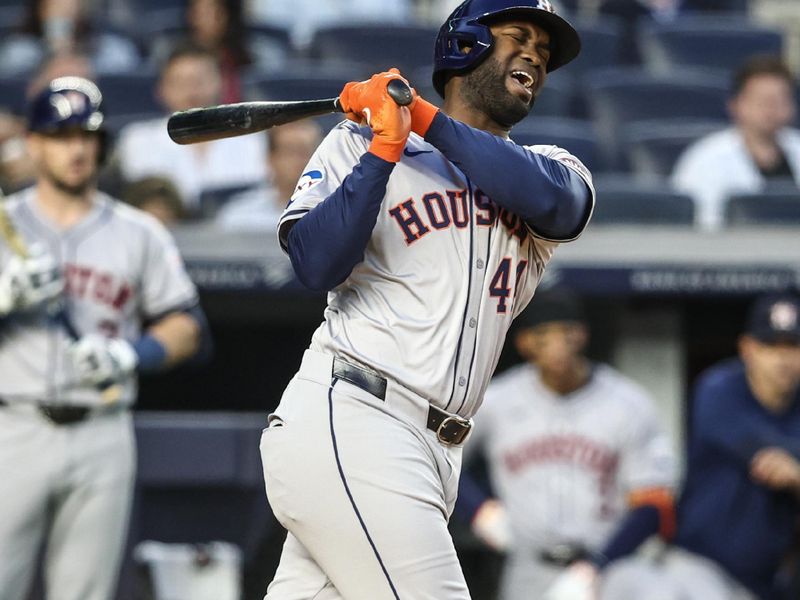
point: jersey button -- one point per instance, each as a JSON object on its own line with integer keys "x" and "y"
{"x": 462, "y": 381}
{"x": 479, "y": 263}
{"x": 472, "y": 323}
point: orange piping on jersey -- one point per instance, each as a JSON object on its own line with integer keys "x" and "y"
{"x": 664, "y": 502}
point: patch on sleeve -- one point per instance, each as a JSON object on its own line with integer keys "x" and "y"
{"x": 308, "y": 180}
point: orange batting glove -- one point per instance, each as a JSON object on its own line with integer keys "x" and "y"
{"x": 422, "y": 114}
{"x": 369, "y": 101}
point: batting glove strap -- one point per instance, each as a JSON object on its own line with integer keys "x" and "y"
{"x": 422, "y": 115}
{"x": 97, "y": 359}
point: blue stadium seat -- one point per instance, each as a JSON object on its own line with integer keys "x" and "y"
{"x": 131, "y": 93}
{"x": 618, "y": 97}
{"x": 380, "y": 45}
{"x": 302, "y": 82}
{"x": 602, "y": 42}
{"x": 764, "y": 208}
{"x": 626, "y": 201}
{"x": 12, "y": 94}
{"x": 706, "y": 41}
{"x": 574, "y": 135}
{"x": 653, "y": 147}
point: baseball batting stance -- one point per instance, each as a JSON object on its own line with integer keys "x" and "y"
{"x": 67, "y": 449}
{"x": 431, "y": 229}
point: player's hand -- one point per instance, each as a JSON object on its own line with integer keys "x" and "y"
{"x": 490, "y": 524}
{"x": 578, "y": 582}
{"x": 776, "y": 468}
{"x": 29, "y": 282}
{"x": 97, "y": 359}
{"x": 368, "y": 101}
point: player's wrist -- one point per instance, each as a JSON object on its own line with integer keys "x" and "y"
{"x": 150, "y": 354}
{"x": 389, "y": 150}
{"x": 422, "y": 115}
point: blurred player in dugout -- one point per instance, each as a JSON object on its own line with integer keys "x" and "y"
{"x": 67, "y": 455}
{"x": 739, "y": 508}
{"x": 581, "y": 465}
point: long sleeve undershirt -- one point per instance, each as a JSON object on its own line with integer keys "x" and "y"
{"x": 329, "y": 241}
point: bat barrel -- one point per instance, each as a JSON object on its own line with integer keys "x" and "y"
{"x": 232, "y": 120}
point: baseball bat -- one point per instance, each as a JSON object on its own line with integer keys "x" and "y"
{"x": 232, "y": 120}
{"x": 110, "y": 391}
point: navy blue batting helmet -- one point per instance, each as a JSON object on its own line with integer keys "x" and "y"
{"x": 66, "y": 103}
{"x": 467, "y": 26}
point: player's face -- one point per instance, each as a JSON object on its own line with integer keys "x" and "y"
{"x": 765, "y": 105}
{"x": 68, "y": 159}
{"x": 505, "y": 85}
{"x": 777, "y": 363}
{"x": 554, "y": 347}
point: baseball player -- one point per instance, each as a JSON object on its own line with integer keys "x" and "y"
{"x": 739, "y": 507}
{"x": 581, "y": 466}
{"x": 66, "y": 445}
{"x": 431, "y": 229}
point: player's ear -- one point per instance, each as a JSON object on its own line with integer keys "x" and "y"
{"x": 524, "y": 344}
{"x": 33, "y": 144}
{"x": 582, "y": 336}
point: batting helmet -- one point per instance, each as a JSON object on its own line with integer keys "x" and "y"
{"x": 467, "y": 26}
{"x": 68, "y": 103}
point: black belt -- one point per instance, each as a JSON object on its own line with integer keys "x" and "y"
{"x": 60, "y": 414}
{"x": 450, "y": 429}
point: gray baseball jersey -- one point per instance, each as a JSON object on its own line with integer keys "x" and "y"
{"x": 120, "y": 267}
{"x": 443, "y": 344}
{"x": 69, "y": 486}
{"x": 566, "y": 467}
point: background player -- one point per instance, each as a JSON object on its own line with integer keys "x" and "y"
{"x": 67, "y": 456}
{"x": 576, "y": 455}
{"x": 737, "y": 515}
{"x": 432, "y": 230}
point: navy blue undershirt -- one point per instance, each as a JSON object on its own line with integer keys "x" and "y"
{"x": 326, "y": 243}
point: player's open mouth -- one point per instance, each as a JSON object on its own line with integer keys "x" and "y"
{"x": 523, "y": 80}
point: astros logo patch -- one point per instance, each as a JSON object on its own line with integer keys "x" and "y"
{"x": 308, "y": 180}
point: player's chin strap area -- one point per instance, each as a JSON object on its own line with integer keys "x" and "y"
{"x": 451, "y": 430}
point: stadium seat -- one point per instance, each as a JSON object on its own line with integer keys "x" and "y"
{"x": 379, "y": 45}
{"x": 211, "y": 200}
{"x": 132, "y": 93}
{"x": 601, "y": 44}
{"x": 622, "y": 200}
{"x": 621, "y": 96}
{"x": 302, "y": 82}
{"x": 574, "y": 135}
{"x": 653, "y": 147}
{"x": 12, "y": 94}
{"x": 764, "y": 208}
{"x": 705, "y": 41}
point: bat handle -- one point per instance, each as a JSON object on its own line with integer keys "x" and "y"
{"x": 400, "y": 92}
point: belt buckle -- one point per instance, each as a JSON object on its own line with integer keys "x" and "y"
{"x": 453, "y": 430}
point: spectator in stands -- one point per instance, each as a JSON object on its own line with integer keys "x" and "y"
{"x": 54, "y": 27}
{"x": 758, "y": 148}
{"x": 580, "y": 463}
{"x": 190, "y": 78}
{"x": 739, "y": 509}
{"x": 215, "y": 25}
{"x": 319, "y": 13}
{"x": 16, "y": 167}
{"x": 60, "y": 65}
{"x": 158, "y": 197}
{"x": 290, "y": 149}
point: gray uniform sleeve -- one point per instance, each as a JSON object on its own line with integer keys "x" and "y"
{"x": 166, "y": 285}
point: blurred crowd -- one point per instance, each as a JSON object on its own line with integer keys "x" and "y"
{"x": 731, "y": 134}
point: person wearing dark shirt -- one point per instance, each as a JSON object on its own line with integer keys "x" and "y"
{"x": 739, "y": 509}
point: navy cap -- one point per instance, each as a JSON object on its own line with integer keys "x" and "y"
{"x": 547, "y": 306}
{"x": 775, "y": 318}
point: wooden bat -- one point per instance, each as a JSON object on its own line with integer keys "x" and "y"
{"x": 110, "y": 391}
{"x": 232, "y": 120}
